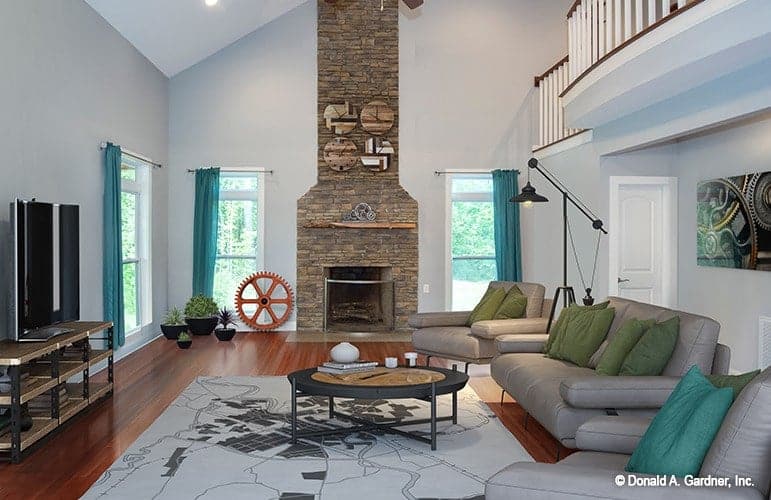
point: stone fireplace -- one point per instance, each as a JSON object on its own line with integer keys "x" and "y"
{"x": 358, "y": 62}
{"x": 359, "y": 299}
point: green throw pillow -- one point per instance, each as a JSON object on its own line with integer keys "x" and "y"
{"x": 585, "y": 331}
{"x": 682, "y": 431}
{"x": 651, "y": 354}
{"x": 558, "y": 328}
{"x": 735, "y": 382}
{"x": 513, "y": 306}
{"x": 619, "y": 346}
{"x": 487, "y": 306}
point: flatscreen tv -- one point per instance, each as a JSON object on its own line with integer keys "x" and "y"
{"x": 46, "y": 270}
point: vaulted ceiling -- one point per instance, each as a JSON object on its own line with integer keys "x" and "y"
{"x": 176, "y": 34}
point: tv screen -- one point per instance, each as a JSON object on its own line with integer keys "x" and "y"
{"x": 47, "y": 268}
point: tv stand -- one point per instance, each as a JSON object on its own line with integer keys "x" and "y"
{"x": 49, "y": 374}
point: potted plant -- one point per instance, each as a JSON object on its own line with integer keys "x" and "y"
{"x": 173, "y": 323}
{"x": 201, "y": 315}
{"x": 225, "y": 318}
{"x": 184, "y": 340}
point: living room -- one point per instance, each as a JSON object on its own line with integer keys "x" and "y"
{"x": 348, "y": 179}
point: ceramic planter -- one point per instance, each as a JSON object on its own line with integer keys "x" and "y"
{"x": 202, "y": 326}
{"x": 184, "y": 344}
{"x": 171, "y": 332}
{"x": 225, "y": 334}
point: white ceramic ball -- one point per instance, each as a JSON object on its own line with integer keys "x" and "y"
{"x": 344, "y": 353}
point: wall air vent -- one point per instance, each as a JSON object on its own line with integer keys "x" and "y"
{"x": 764, "y": 351}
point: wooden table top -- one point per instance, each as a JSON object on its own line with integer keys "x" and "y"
{"x": 381, "y": 376}
{"x": 17, "y": 353}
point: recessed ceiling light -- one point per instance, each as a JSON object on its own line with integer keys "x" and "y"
{"x": 210, "y": 3}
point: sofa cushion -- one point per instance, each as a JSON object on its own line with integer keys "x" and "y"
{"x": 522, "y": 342}
{"x": 652, "y": 352}
{"x": 743, "y": 443}
{"x": 559, "y": 329}
{"x": 533, "y": 291}
{"x": 612, "y": 434}
{"x": 681, "y": 433}
{"x": 513, "y": 306}
{"x": 695, "y": 344}
{"x": 623, "y": 342}
{"x": 487, "y": 306}
{"x": 585, "y": 331}
{"x": 425, "y": 320}
{"x": 493, "y": 328}
{"x": 454, "y": 342}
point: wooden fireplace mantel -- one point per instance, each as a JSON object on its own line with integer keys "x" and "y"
{"x": 360, "y": 225}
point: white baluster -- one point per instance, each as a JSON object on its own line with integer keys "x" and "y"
{"x": 570, "y": 41}
{"x": 681, "y": 3}
{"x": 587, "y": 34}
{"x": 619, "y": 33}
{"x": 651, "y": 12}
{"x": 560, "y": 87}
{"x": 627, "y": 19}
{"x": 580, "y": 40}
{"x": 600, "y": 28}
{"x": 608, "y": 25}
{"x": 638, "y": 16}
{"x": 542, "y": 113}
{"x": 593, "y": 21}
{"x": 664, "y": 8}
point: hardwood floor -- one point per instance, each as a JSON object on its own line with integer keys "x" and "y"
{"x": 147, "y": 381}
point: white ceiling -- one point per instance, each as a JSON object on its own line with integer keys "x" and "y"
{"x": 176, "y": 34}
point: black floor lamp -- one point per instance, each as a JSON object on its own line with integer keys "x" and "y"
{"x": 529, "y": 196}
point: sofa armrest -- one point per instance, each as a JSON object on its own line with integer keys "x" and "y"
{"x": 523, "y": 342}
{"x": 616, "y": 434}
{"x": 617, "y": 392}
{"x": 493, "y": 328}
{"x": 548, "y": 481}
{"x": 427, "y": 320}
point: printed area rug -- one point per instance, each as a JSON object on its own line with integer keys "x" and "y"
{"x": 229, "y": 438}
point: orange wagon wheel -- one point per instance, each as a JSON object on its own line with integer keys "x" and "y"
{"x": 264, "y": 301}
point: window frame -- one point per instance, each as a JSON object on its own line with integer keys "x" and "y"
{"x": 451, "y": 197}
{"x": 141, "y": 188}
{"x": 258, "y": 196}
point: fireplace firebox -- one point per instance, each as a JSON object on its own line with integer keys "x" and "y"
{"x": 359, "y": 299}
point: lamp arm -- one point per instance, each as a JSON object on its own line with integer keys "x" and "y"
{"x": 572, "y": 198}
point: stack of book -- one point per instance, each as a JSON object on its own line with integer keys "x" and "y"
{"x": 344, "y": 368}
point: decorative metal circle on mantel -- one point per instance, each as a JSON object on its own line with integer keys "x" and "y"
{"x": 377, "y": 117}
{"x": 341, "y": 154}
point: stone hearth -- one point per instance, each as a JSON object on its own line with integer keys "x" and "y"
{"x": 358, "y": 61}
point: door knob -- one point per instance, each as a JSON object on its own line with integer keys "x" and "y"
{"x": 623, "y": 280}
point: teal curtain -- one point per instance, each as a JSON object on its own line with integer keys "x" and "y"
{"x": 508, "y": 249}
{"x": 112, "y": 265}
{"x": 207, "y": 197}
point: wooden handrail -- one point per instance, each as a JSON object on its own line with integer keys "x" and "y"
{"x": 637, "y": 36}
{"x": 573, "y": 8}
{"x": 550, "y": 70}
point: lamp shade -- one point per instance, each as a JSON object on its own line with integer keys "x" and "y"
{"x": 528, "y": 195}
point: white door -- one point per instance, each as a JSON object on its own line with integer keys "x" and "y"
{"x": 643, "y": 239}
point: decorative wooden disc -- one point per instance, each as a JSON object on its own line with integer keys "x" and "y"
{"x": 382, "y": 376}
{"x": 377, "y": 118}
{"x": 341, "y": 118}
{"x": 341, "y": 154}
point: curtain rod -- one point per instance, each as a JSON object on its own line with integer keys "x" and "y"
{"x": 255, "y": 170}
{"x": 462, "y": 172}
{"x": 132, "y": 154}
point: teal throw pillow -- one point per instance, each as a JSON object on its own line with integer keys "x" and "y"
{"x": 681, "y": 433}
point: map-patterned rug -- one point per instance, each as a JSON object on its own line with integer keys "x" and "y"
{"x": 230, "y": 438}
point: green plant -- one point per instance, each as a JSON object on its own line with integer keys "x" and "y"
{"x": 174, "y": 317}
{"x": 201, "y": 306}
{"x": 226, "y": 317}
{"x": 184, "y": 337}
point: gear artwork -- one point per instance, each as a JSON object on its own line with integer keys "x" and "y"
{"x": 264, "y": 301}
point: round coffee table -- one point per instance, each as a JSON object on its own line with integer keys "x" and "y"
{"x": 424, "y": 383}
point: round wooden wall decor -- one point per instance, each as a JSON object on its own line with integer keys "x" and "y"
{"x": 341, "y": 154}
{"x": 377, "y": 118}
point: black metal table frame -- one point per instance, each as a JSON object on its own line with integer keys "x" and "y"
{"x": 366, "y": 425}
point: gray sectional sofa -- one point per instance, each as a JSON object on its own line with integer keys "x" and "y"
{"x": 445, "y": 334}
{"x": 741, "y": 447}
{"x": 562, "y": 396}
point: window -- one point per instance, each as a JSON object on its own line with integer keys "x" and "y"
{"x": 240, "y": 230}
{"x": 472, "y": 239}
{"x": 135, "y": 243}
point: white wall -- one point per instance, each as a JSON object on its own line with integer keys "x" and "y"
{"x": 466, "y": 86}
{"x": 70, "y": 82}
{"x": 251, "y": 104}
{"x": 466, "y": 74}
{"x": 736, "y": 298}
